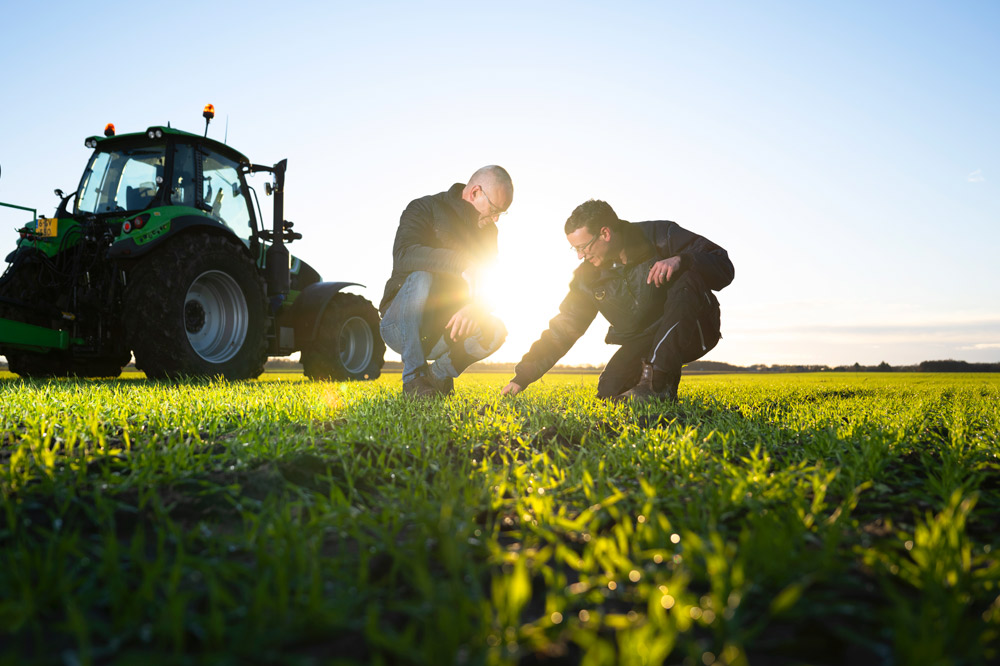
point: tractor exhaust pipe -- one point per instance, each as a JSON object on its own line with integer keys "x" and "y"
{"x": 277, "y": 258}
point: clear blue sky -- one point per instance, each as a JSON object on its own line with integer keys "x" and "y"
{"x": 847, "y": 155}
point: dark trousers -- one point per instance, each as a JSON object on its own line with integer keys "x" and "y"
{"x": 688, "y": 329}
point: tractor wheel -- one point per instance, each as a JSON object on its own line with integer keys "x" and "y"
{"x": 348, "y": 344}
{"x": 196, "y": 307}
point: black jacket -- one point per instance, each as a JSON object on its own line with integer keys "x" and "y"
{"x": 620, "y": 293}
{"x": 439, "y": 234}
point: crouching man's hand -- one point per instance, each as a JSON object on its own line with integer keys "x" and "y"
{"x": 462, "y": 323}
{"x": 511, "y": 389}
{"x": 663, "y": 270}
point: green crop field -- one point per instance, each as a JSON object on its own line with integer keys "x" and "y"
{"x": 794, "y": 519}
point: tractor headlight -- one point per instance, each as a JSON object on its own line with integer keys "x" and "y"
{"x": 90, "y": 143}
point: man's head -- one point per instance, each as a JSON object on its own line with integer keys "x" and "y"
{"x": 592, "y": 230}
{"x": 491, "y": 191}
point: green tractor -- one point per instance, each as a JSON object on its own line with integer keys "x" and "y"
{"x": 161, "y": 253}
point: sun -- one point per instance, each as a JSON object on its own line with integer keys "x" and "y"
{"x": 524, "y": 297}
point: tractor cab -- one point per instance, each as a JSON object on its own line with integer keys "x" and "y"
{"x": 164, "y": 167}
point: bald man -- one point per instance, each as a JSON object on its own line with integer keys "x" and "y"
{"x": 430, "y": 314}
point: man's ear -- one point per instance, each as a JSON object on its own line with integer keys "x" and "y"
{"x": 605, "y": 234}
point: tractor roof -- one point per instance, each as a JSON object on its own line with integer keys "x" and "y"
{"x": 157, "y": 133}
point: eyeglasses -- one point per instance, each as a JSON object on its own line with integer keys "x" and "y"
{"x": 494, "y": 210}
{"x": 586, "y": 246}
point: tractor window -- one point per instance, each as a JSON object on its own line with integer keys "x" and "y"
{"x": 120, "y": 181}
{"x": 182, "y": 185}
{"x": 93, "y": 178}
{"x": 222, "y": 192}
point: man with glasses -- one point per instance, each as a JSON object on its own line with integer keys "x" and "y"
{"x": 653, "y": 282}
{"x": 429, "y": 310}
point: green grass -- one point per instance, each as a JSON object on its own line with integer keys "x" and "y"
{"x": 796, "y": 519}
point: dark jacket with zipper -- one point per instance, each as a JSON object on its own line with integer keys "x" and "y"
{"x": 621, "y": 294}
{"x": 440, "y": 234}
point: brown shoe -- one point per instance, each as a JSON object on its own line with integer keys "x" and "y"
{"x": 653, "y": 385}
{"x": 419, "y": 387}
{"x": 444, "y": 386}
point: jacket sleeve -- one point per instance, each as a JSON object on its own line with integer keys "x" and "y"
{"x": 410, "y": 251}
{"x": 697, "y": 253}
{"x": 576, "y": 313}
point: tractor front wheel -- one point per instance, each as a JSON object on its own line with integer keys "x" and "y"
{"x": 348, "y": 344}
{"x": 196, "y": 307}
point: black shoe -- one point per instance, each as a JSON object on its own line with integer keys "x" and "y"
{"x": 420, "y": 387}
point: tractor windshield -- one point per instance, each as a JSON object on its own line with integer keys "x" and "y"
{"x": 122, "y": 180}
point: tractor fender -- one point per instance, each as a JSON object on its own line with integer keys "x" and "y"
{"x": 131, "y": 248}
{"x": 306, "y": 312}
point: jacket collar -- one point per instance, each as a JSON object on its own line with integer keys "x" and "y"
{"x": 466, "y": 212}
{"x": 637, "y": 247}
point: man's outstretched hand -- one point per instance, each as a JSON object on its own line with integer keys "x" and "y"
{"x": 511, "y": 389}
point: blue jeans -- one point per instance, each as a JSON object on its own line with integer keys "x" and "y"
{"x": 405, "y": 330}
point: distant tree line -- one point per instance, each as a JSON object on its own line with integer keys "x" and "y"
{"x": 957, "y": 366}
{"x": 924, "y": 366}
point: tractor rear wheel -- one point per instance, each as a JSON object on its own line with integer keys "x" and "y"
{"x": 348, "y": 344}
{"x": 196, "y": 307}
